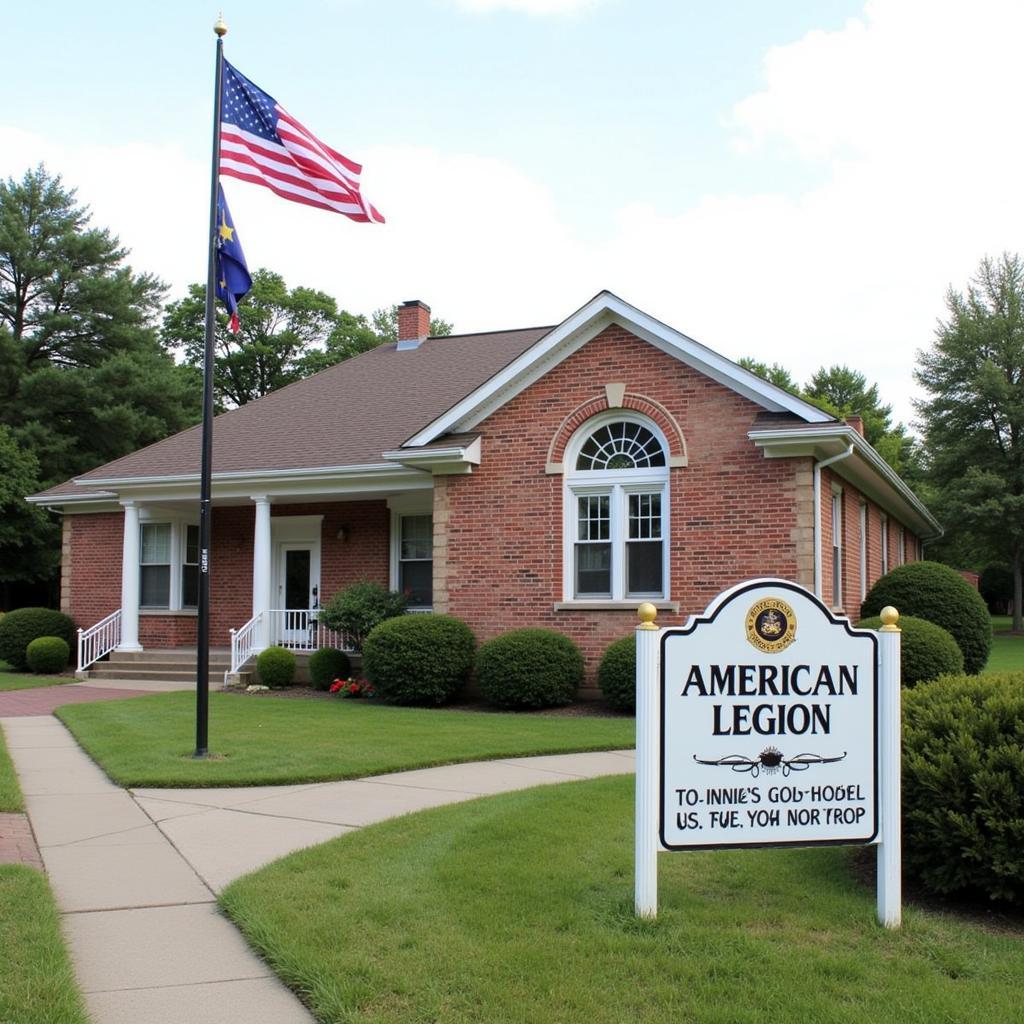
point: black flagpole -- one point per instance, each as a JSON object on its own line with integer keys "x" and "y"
{"x": 203, "y": 617}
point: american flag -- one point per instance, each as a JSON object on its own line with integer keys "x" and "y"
{"x": 261, "y": 142}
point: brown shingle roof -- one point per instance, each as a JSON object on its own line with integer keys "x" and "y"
{"x": 346, "y": 415}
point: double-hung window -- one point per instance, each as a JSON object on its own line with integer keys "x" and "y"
{"x": 616, "y": 522}
{"x": 883, "y": 538}
{"x": 416, "y": 559}
{"x": 168, "y": 565}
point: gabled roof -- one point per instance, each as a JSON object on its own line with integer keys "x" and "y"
{"x": 344, "y": 417}
{"x": 387, "y": 409}
{"x": 604, "y": 310}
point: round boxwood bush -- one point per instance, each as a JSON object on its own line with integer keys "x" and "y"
{"x": 963, "y": 802}
{"x": 928, "y": 590}
{"x": 616, "y": 675}
{"x": 418, "y": 659}
{"x": 529, "y": 668}
{"x": 23, "y": 625}
{"x": 927, "y": 651}
{"x": 276, "y": 667}
{"x": 48, "y": 655}
{"x": 326, "y": 665}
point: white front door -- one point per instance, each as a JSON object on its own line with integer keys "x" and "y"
{"x": 297, "y": 592}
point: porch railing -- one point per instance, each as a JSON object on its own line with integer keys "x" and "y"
{"x": 98, "y": 640}
{"x": 295, "y": 628}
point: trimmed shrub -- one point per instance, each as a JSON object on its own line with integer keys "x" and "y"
{"x": 23, "y": 625}
{"x": 419, "y": 659}
{"x": 963, "y": 802}
{"x": 927, "y": 651}
{"x": 928, "y": 590}
{"x": 276, "y": 667}
{"x": 616, "y": 675}
{"x": 326, "y": 665}
{"x": 529, "y": 668}
{"x": 48, "y": 655}
{"x": 355, "y": 610}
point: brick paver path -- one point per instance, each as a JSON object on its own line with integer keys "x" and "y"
{"x": 17, "y": 844}
{"x": 43, "y": 699}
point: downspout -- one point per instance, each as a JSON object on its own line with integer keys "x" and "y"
{"x": 818, "y": 467}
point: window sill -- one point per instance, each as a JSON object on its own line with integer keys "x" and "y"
{"x": 614, "y": 606}
{"x": 185, "y": 612}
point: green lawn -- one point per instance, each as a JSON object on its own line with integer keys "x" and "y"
{"x": 10, "y": 680}
{"x": 1007, "y": 649}
{"x": 37, "y": 983}
{"x": 517, "y": 909}
{"x": 148, "y": 741}
{"x": 10, "y": 791}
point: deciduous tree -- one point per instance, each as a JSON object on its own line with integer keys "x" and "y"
{"x": 974, "y": 414}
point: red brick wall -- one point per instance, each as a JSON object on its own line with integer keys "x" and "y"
{"x": 851, "y": 502}
{"x": 94, "y": 582}
{"x": 733, "y": 512}
{"x": 95, "y": 579}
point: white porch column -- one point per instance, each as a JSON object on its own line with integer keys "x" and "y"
{"x": 261, "y": 566}
{"x": 130, "y": 579}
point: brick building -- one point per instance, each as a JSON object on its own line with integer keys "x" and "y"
{"x": 549, "y": 476}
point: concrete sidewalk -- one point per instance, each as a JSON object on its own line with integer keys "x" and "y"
{"x": 136, "y": 873}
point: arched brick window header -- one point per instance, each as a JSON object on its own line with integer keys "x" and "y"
{"x": 627, "y": 402}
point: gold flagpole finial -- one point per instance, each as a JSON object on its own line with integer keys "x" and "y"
{"x": 220, "y": 27}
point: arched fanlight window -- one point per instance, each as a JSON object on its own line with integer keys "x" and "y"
{"x": 621, "y": 445}
{"x": 616, "y": 511}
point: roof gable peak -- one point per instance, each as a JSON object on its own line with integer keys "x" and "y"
{"x": 603, "y": 310}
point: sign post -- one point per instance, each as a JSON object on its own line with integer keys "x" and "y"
{"x": 767, "y": 721}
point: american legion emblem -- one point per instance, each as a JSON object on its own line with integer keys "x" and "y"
{"x": 771, "y": 625}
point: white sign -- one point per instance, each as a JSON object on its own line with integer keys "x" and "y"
{"x": 769, "y": 724}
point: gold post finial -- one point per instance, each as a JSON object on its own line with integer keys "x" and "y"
{"x": 647, "y": 613}
{"x": 219, "y": 26}
{"x": 890, "y": 617}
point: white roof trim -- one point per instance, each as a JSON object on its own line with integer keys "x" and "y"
{"x": 781, "y": 442}
{"x": 569, "y": 336}
{"x": 243, "y": 474}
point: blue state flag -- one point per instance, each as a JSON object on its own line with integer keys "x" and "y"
{"x": 233, "y": 280}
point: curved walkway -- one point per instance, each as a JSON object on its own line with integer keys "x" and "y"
{"x": 136, "y": 872}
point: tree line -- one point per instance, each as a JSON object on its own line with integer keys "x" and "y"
{"x": 94, "y": 364}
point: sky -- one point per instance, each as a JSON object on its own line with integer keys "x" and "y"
{"x": 799, "y": 181}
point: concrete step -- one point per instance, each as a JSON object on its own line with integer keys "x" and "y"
{"x": 184, "y": 657}
{"x": 160, "y": 675}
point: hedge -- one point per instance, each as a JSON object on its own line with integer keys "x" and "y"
{"x": 419, "y": 659}
{"x": 963, "y": 798}
{"x": 529, "y": 668}
{"x": 929, "y": 590}
{"x": 20, "y": 627}
{"x": 927, "y": 651}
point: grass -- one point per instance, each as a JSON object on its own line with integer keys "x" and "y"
{"x": 518, "y": 909}
{"x": 36, "y": 979}
{"x": 10, "y": 680}
{"x": 1007, "y": 648}
{"x": 148, "y": 741}
{"x": 10, "y": 791}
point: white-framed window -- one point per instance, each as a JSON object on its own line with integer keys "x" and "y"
{"x": 616, "y": 511}
{"x": 883, "y": 540}
{"x": 168, "y": 565}
{"x": 837, "y": 549}
{"x": 901, "y": 546}
{"x": 416, "y": 559}
{"x": 863, "y": 550}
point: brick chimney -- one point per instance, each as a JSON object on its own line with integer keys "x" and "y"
{"x": 857, "y": 422}
{"x": 413, "y": 324}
